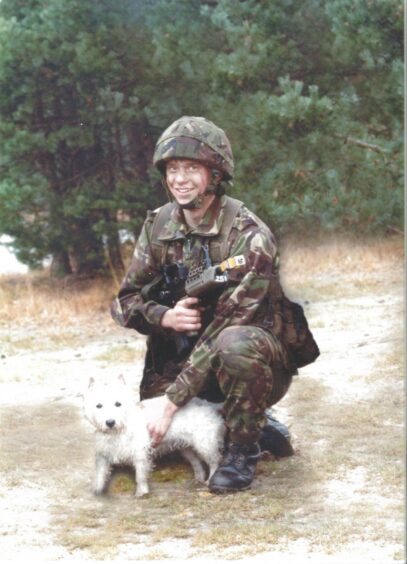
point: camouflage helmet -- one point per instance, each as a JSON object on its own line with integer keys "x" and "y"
{"x": 195, "y": 138}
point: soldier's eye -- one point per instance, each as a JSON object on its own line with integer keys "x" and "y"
{"x": 99, "y": 405}
{"x": 118, "y": 404}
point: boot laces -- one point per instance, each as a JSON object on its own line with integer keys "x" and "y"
{"x": 237, "y": 456}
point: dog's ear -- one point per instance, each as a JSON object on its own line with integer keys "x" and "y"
{"x": 121, "y": 379}
{"x": 91, "y": 382}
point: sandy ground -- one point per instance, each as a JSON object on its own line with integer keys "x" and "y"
{"x": 47, "y": 447}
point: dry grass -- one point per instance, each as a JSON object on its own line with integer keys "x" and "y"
{"x": 38, "y": 313}
{"x": 333, "y": 267}
{"x": 341, "y": 255}
{"x": 37, "y": 299}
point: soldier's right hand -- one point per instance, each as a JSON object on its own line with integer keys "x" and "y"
{"x": 184, "y": 317}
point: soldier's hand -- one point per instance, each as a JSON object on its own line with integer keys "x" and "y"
{"x": 184, "y": 317}
{"x": 159, "y": 427}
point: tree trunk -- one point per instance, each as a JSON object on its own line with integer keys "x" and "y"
{"x": 87, "y": 255}
{"x": 114, "y": 258}
{"x": 60, "y": 265}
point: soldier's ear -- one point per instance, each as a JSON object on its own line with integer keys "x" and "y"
{"x": 121, "y": 379}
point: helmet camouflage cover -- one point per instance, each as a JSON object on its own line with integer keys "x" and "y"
{"x": 195, "y": 138}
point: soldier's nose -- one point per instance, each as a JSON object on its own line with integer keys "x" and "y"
{"x": 110, "y": 423}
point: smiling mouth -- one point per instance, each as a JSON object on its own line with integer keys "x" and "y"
{"x": 183, "y": 190}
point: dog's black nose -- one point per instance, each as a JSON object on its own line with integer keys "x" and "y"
{"x": 110, "y": 423}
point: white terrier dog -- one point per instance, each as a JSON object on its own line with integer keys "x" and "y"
{"x": 122, "y": 436}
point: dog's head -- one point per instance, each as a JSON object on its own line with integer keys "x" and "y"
{"x": 106, "y": 406}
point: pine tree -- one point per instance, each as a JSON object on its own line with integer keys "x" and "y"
{"x": 72, "y": 129}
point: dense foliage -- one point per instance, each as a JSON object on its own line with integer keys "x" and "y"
{"x": 310, "y": 93}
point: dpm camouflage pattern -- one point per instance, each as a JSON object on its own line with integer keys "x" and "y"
{"x": 237, "y": 354}
{"x": 195, "y": 138}
{"x": 252, "y": 374}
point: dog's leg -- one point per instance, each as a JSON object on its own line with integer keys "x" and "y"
{"x": 213, "y": 464}
{"x": 189, "y": 455}
{"x": 142, "y": 466}
{"x": 210, "y": 452}
{"x": 102, "y": 474}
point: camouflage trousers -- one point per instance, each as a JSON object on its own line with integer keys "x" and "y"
{"x": 252, "y": 371}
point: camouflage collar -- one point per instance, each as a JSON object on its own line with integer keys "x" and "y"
{"x": 209, "y": 226}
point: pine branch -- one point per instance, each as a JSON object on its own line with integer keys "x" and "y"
{"x": 362, "y": 144}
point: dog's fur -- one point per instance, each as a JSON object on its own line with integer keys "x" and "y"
{"x": 122, "y": 436}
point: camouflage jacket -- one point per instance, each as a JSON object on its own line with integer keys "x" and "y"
{"x": 245, "y": 300}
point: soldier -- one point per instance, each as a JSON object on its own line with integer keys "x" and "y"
{"x": 224, "y": 345}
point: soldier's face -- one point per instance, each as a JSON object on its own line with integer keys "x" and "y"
{"x": 186, "y": 179}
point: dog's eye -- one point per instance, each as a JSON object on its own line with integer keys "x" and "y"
{"x": 118, "y": 404}
{"x": 99, "y": 406}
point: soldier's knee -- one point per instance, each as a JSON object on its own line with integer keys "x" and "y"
{"x": 237, "y": 348}
{"x": 235, "y": 340}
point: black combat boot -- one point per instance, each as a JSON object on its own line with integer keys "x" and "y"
{"x": 236, "y": 470}
{"x": 275, "y": 438}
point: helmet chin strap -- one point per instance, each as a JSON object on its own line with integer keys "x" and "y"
{"x": 199, "y": 201}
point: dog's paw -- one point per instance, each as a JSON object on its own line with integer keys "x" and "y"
{"x": 99, "y": 492}
{"x": 142, "y": 492}
{"x": 100, "y": 488}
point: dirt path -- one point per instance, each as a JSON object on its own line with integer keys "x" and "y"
{"x": 339, "y": 499}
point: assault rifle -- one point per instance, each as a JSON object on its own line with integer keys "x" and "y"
{"x": 202, "y": 282}
{"x": 206, "y": 278}
{"x": 175, "y": 283}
